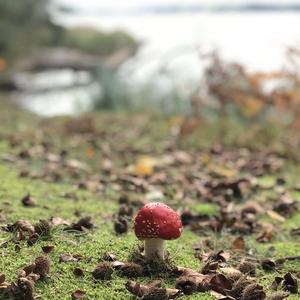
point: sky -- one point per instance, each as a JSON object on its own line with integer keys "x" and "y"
{"x": 138, "y": 3}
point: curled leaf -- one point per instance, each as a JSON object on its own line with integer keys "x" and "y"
{"x": 78, "y": 294}
{"x": 191, "y": 281}
{"x": 152, "y": 291}
{"x": 102, "y": 271}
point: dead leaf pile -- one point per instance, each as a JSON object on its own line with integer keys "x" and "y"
{"x": 23, "y": 287}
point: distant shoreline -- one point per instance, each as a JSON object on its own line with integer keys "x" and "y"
{"x": 179, "y": 9}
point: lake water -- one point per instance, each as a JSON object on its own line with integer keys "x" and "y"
{"x": 175, "y": 41}
{"x": 258, "y": 40}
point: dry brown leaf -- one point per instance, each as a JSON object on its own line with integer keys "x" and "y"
{"x": 238, "y": 243}
{"x": 78, "y": 294}
{"x": 275, "y": 216}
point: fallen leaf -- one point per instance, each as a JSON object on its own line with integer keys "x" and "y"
{"x": 144, "y": 166}
{"x": 280, "y": 295}
{"x": 266, "y": 236}
{"x": 295, "y": 232}
{"x": 221, "y": 296}
{"x": 102, "y": 271}
{"x": 131, "y": 270}
{"x": 56, "y": 221}
{"x": 275, "y": 216}
{"x": 108, "y": 256}
{"x": 69, "y": 257}
{"x": 290, "y": 283}
{"x": 2, "y": 278}
{"x": 42, "y": 265}
{"x": 191, "y": 281}
{"x": 48, "y": 249}
{"x": 28, "y": 201}
{"x": 121, "y": 225}
{"x": 152, "y": 291}
{"x": 78, "y": 294}
{"x": 238, "y": 244}
{"x": 221, "y": 284}
{"x": 247, "y": 268}
{"x": 82, "y": 224}
{"x": 254, "y": 291}
{"x": 268, "y": 265}
{"x": 89, "y": 153}
{"x": 78, "y": 272}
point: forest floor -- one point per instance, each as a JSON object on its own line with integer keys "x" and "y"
{"x": 86, "y": 177}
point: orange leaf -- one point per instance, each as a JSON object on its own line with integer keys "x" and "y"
{"x": 2, "y": 64}
{"x": 144, "y": 166}
{"x": 89, "y": 153}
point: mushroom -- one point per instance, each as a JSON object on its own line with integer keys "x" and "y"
{"x": 154, "y": 223}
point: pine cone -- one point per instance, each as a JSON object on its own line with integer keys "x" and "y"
{"x": 234, "y": 277}
{"x": 254, "y": 291}
{"x": 280, "y": 295}
{"x": 239, "y": 286}
{"x": 131, "y": 270}
{"x": 102, "y": 272}
{"x": 247, "y": 267}
{"x": 42, "y": 228}
{"x": 42, "y": 265}
{"x": 156, "y": 294}
{"x": 22, "y": 289}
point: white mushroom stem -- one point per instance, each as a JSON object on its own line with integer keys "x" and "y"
{"x": 154, "y": 248}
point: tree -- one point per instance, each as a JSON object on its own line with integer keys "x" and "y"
{"x": 24, "y": 26}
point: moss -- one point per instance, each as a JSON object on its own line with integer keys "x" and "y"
{"x": 97, "y": 42}
{"x": 102, "y": 206}
{"x": 208, "y": 209}
{"x": 266, "y": 181}
{"x": 92, "y": 245}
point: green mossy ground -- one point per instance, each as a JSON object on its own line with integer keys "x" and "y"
{"x": 93, "y": 244}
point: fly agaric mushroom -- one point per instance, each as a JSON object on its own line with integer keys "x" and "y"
{"x": 154, "y": 223}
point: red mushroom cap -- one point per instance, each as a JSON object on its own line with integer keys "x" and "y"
{"x": 157, "y": 220}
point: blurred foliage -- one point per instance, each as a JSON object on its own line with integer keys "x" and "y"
{"x": 24, "y": 26}
{"x": 97, "y": 42}
{"x": 158, "y": 94}
{"x": 226, "y": 94}
{"x": 253, "y": 97}
{"x": 231, "y": 98}
{"x": 114, "y": 95}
